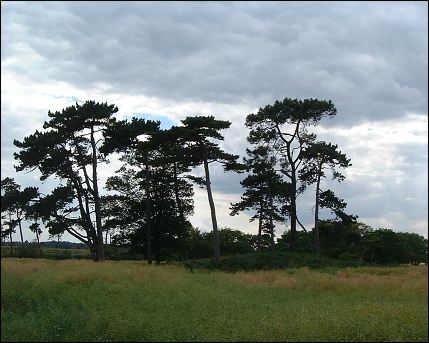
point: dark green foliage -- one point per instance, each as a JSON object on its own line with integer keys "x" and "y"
{"x": 265, "y": 192}
{"x": 359, "y": 242}
{"x": 317, "y": 158}
{"x": 268, "y": 261}
{"x": 283, "y": 126}
{"x": 153, "y": 197}
{"x": 15, "y": 205}
{"x": 69, "y": 151}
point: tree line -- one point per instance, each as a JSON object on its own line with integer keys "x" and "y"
{"x": 150, "y": 198}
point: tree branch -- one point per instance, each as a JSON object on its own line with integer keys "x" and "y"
{"x": 301, "y": 224}
{"x": 77, "y": 235}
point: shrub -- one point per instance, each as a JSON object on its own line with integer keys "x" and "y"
{"x": 269, "y": 260}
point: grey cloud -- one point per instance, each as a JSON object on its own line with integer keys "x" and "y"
{"x": 370, "y": 59}
{"x": 367, "y": 58}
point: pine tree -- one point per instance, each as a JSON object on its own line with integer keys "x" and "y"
{"x": 283, "y": 125}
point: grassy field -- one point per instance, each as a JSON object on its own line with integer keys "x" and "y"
{"x": 72, "y": 300}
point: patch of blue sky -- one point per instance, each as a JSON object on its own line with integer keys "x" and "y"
{"x": 166, "y": 122}
{"x": 68, "y": 98}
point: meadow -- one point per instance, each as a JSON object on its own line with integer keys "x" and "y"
{"x": 80, "y": 300}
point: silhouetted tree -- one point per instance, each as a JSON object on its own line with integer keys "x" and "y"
{"x": 69, "y": 150}
{"x": 154, "y": 176}
{"x": 317, "y": 157}
{"x": 196, "y": 137}
{"x": 265, "y": 193}
{"x": 16, "y": 202}
{"x": 283, "y": 125}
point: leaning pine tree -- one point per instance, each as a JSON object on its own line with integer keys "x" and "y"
{"x": 196, "y": 137}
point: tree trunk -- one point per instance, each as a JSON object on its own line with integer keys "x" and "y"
{"x": 99, "y": 242}
{"x": 92, "y": 252}
{"x": 20, "y": 228}
{"x": 11, "y": 243}
{"x": 148, "y": 214}
{"x": 10, "y": 234}
{"x": 316, "y": 216}
{"x": 293, "y": 213}
{"x": 176, "y": 193}
{"x": 38, "y": 242}
{"x": 261, "y": 210}
{"x": 271, "y": 217}
{"x": 216, "y": 240}
{"x": 292, "y": 197}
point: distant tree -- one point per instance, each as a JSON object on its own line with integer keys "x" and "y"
{"x": 8, "y": 185}
{"x": 264, "y": 192}
{"x": 317, "y": 157}
{"x": 200, "y": 244}
{"x": 196, "y": 136}
{"x": 16, "y": 202}
{"x": 413, "y": 248}
{"x": 69, "y": 150}
{"x": 33, "y": 213}
{"x": 35, "y": 227}
{"x": 283, "y": 125}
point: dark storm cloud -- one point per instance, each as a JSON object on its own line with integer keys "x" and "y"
{"x": 367, "y": 57}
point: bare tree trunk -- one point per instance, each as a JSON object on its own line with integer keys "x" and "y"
{"x": 11, "y": 243}
{"x": 148, "y": 214}
{"x": 261, "y": 209}
{"x": 99, "y": 242}
{"x": 293, "y": 210}
{"x": 38, "y": 242}
{"x": 20, "y": 228}
{"x": 271, "y": 217}
{"x": 212, "y": 209}
{"x": 176, "y": 193}
{"x": 10, "y": 234}
{"x": 316, "y": 216}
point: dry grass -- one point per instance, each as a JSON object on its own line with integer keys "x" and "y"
{"x": 404, "y": 278}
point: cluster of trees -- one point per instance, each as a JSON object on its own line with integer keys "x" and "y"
{"x": 150, "y": 197}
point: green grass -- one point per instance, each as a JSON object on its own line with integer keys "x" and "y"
{"x": 71, "y": 300}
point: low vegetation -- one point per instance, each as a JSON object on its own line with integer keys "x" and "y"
{"x": 79, "y": 300}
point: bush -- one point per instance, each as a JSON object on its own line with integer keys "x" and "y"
{"x": 116, "y": 253}
{"x": 269, "y": 260}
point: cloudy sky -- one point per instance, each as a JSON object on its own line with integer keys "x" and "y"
{"x": 171, "y": 60}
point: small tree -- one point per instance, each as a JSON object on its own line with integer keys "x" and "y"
{"x": 265, "y": 192}
{"x": 16, "y": 202}
{"x": 318, "y": 157}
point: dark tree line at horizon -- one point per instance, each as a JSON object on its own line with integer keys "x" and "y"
{"x": 151, "y": 196}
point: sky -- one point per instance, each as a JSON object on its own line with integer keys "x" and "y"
{"x": 227, "y": 59}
